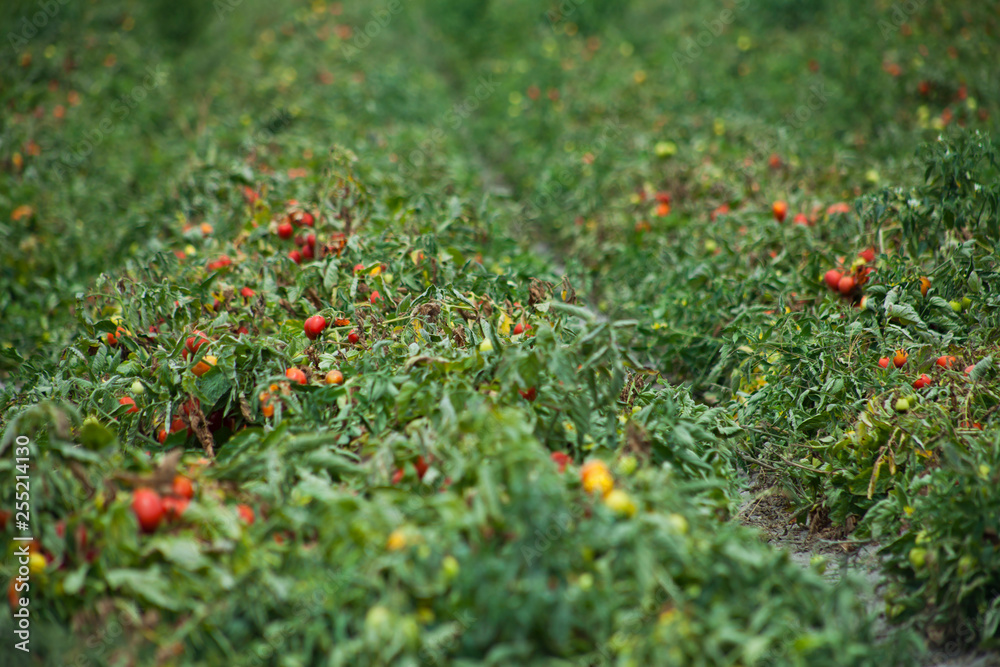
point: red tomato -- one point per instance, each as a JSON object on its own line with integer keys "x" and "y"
{"x": 183, "y": 487}
{"x": 314, "y": 326}
{"x": 246, "y": 513}
{"x": 421, "y": 467}
{"x": 296, "y": 375}
{"x": 148, "y": 508}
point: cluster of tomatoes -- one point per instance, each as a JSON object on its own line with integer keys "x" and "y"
{"x": 848, "y": 282}
{"x": 597, "y": 478}
{"x": 297, "y": 219}
{"x": 150, "y": 508}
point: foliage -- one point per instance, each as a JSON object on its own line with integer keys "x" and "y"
{"x": 600, "y": 172}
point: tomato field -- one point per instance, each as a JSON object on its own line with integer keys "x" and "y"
{"x": 433, "y": 332}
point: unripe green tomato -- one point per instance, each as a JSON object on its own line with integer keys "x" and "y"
{"x": 711, "y": 246}
{"x": 902, "y": 405}
{"x": 138, "y": 387}
{"x": 410, "y": 630}
{"x": 956, "y": 306}
{"x": 677, "y": 523}
{"x": 378, "y": 623}
{"x": 966, "y": 302}
{"x": 965, "y": 564}
{"x": 627, "y": 465}
{"x": 918, "y": 557}
{"x": 449, "y": 567}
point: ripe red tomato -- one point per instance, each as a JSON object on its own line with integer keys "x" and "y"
{"x": 846, "y": 285}
{"x": 397, "y": 476}
{"x": 353, "y": 337}
{"x": 295, "y": 256}
{"x": 421, "y": 467}
{"x": 884, "y": 362}
{"x": 307, "y": 219}
{"x": 295, "y": 375}
{"x": 314, "y": 326}
{"x": 285, "y": 230}
{"x": 113, "y": 338}
{"x": 868, "y": 254}
{"x": 780, "y": 210}
{"x": 521, "y": 328}
{"x": 374, "y": 297}
{"x": 148, "y": 508}
{"x": 562, "y": 460}
{"x": 183, "y": 487}
{"x": 900, "y": 358}
{"x": 246, "y": 292}
{"x": 832, "y": 279}
{"x": 801, "y": 219}
{"x": 922, "y": 381}
{"x": 528, "y": 394}
{"x": 174, "y": 507}
{"x": 246, "y": 513}
{"x": 126, "y": 400}
{"x": 946, "y": 361}
{"x": 308, "y": 252}
{"x": 194, "y": 342}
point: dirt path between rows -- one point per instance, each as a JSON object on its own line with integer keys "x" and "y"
{"x": 766, "y": 508}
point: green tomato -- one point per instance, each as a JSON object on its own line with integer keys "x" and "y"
{"x": 918, "y": 557}
{"x": 965, "y": 564}
{"x": 665, "y": 148}
{"x": 378, "y": 623}
{"x": 449, "y": 567}
{"x": 627, "y": 465}
{"x": 956, "y": 306}
{"x": 966, "y": 302}
{"x": 138, "y": 387}
{"x": 902, "y": 405}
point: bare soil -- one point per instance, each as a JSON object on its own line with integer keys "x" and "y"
{"x": 766, "y": 508}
